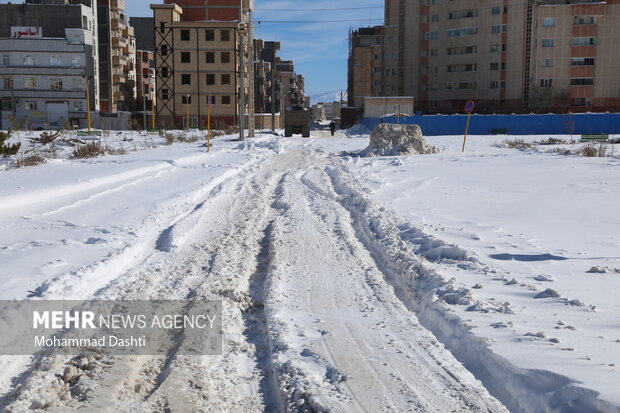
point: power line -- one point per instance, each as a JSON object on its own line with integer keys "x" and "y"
{"x": 315, "y": 21}
{"x": 343, "y": 8}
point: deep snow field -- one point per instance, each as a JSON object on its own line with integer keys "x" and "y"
{"x": 477, "y": 281}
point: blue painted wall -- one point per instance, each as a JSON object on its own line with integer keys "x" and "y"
{"x": 432, "y": 125}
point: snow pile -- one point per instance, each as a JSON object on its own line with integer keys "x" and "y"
{"x": 391, "y": 140}
{"x": 357, "y": 131}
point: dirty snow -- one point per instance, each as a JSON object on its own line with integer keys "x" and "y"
{"x": 473, "y": 282}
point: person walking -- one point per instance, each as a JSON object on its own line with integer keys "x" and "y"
{"x": 332, "y": 127}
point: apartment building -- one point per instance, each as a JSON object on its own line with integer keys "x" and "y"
{"x": 268, "y": 52}
{"x": 145, "y": 73}
{"x": 48, "y": 57}
{"x": 117, "y": 57}
{"x": 508, "y": 56}
{"x": 365, "y": 75}
{"x": 196, "y": 61}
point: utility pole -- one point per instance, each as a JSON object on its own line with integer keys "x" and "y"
{"x": 144, "y": 111}
{"x": 242, "y": 87}
{"x": 251, "y": 124}
{"x": 273, "y": 98}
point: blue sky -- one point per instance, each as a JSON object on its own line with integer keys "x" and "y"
{"x": 319, "y": 50}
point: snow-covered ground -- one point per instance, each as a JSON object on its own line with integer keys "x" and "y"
{"x": 430, "y": 283}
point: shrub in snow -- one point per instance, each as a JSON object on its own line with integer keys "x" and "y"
{"x": 90, "y": 150}
{"x": 390, "y": 140}
{"x": 6, "y": 149}
{"x": 518, "y": 144}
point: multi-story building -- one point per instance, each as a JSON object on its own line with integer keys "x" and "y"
{"x": 365, "y": 64}
{"x": 145, "y": 72}
{"x": 196, "y": 61}
{"x": 117, "y": 57}
{"x": 144, "y": 31}
{"x": 48, "y": 59}
{"x": 508, "y": 56}
{"x": 269, "y": 53}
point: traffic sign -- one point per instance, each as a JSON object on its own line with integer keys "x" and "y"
{"x": 469, "y": 106}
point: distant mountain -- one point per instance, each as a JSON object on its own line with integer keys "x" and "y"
{"x": 333, "y": 96}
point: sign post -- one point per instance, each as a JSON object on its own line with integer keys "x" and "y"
{"x": 469, "y": 108}
{"x": 210, "y": 100}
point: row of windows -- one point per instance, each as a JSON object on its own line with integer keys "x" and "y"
{"x": 186, "y": 57}
{"x": 574, "y": 61}
{"x": 495, "y": 84}
{"x": 577, "y": 21}
{"x": 574, "y": 41}
{"x": 54, "y": 60}
{"x": 465, "y": 31}
{"x": 576, "y": 81}
{"x": 78, "y": 105}
{"x": 54, "y": 84}
{"x": 186, "y": 35}
{"x": 460, "y": 50}
{"x": 225, "y": 79}
{"x": 187, "y": 99}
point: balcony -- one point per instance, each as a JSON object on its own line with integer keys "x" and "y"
{"x": 119, "y": 60}
{"x": 117, "y": 4}
{"x": 116, "y": 79}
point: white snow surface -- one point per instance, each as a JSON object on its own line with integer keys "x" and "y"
{"x": 483, "y": 281}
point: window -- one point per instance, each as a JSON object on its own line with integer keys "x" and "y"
{"x": 55, "y": 60}
{"x": 548, "y": 42}
{"x": 225, "y": 35}
{"x": 56, "y": 84}
{"x": 164, "y": 72}
{"x": 8, "y": 83}
{"x": 186, "y": 57}
{"x": 504, "y": 28}
{"x": 6, "y": 60}
{"x": 494, "y": 84}
{"x": 225, "y": 57}
{"x": 462, "y": 50}
{"x": 582, "y": 61}
{"x": 226, "y": 79}
{"x": 28, "y": 60}
{"x": 164, "y": 50}
{"x": 185, "y": 36}
{"x": 581, "y": 20}
{"x": 78, "y": 84}
{"x": 546, "y": 82}
{"x": 225, "y": 100}
{"x": 76, "y": 61}
{"x": 210, "y": 79}
{"x": 210, "y": 57}
{"x": 186, "y": 79}
{"x": 546, "y": 63}
{"x": 462, "y": 68}
{"x": 434, "y": 18}
{"x": 165, "y": 94}
{"x": 504, "y": 47}
{"x": 582, "y": 81}
{"x": 495, "y": 47}
{"x": 496, "y": 10}
{"x": 494, "y": 66}
{"x": 30, "y": 105}
{"x": 467, "y": 31}
{"x": 549, "y": 22}
{"x": 432, "y": 104}
{"x": 162, "y": 27}
{"x": 495, "y": 29}
{"x": 503, "y": 65}
{"x": 461, "y": 85}
{"x": 210, "y": 35}
{"x": 462, "y": 14}
{"x": 78, "y": 106}
{"x": 30, "y": 83}
{"x": 583, "y": 41}
{"x": 502, "y": 84}
{"x": 186, "y": 99}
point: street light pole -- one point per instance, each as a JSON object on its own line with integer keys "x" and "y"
{"x": 251, "y": 124}
{"x": 242, "y": 88}
{"x": 188, "y": 97}
{"x": 88, "y": 78}
{"x": 153, "y": 108}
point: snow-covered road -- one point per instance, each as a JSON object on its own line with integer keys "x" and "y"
{"x": 330, "y": 304}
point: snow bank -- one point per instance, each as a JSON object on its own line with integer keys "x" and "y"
{"x": 358, "y": 131}
{"x": 390, "y": 140}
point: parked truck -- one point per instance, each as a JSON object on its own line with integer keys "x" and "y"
{"x": 296, "y": 116}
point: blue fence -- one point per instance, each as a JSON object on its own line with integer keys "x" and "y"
{"x": 578, "y": 124}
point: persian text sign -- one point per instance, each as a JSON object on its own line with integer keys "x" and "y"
{"x": 157, "y": 327}
{"x": 19, "y": 32}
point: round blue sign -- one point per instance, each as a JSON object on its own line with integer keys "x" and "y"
{"x": 469, "y": 106}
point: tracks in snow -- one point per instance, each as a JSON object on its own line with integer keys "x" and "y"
{"x": 310, "y": 323}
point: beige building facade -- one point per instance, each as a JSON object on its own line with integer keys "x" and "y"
{"x": 197, "y": 61}
{"x": 508, "y": 56}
